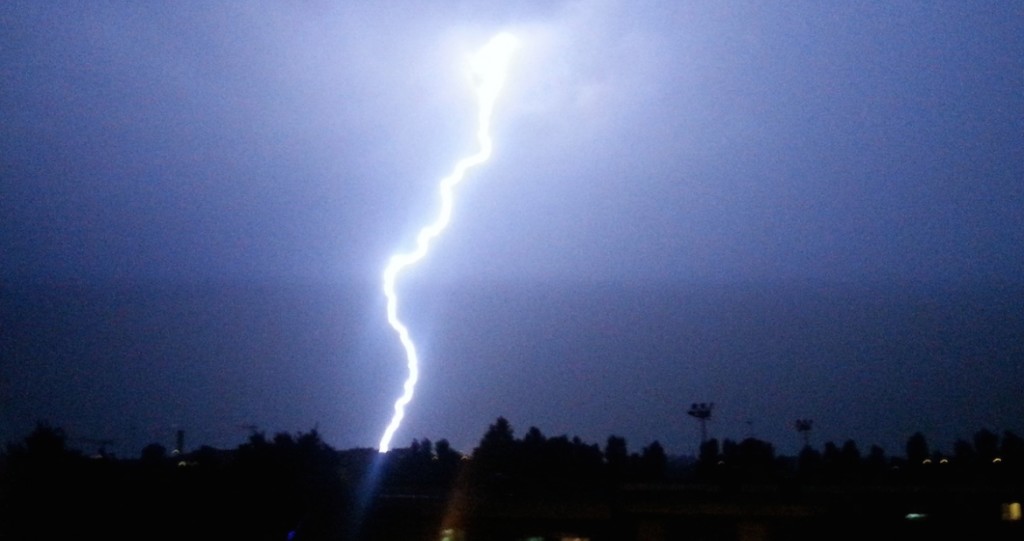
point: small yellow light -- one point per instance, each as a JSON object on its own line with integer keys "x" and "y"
{"x": 1011, "y": 511}
{"x": 449, "y": 534}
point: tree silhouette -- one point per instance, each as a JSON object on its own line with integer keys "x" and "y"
{"x": 917, "y": 449}
{"x": 46, "y": 442}
{"x": 494, "y": 460}
{"x": 154, "y": 453}
{"x": 1012, "y": 448}
{"x": 963, "y": 453}
{"x": 875, "y": 461}
{"x": 534, "y": 439}
{"x": 709, "y": 453}
{"x": 809, "y": 462}
{"x": 499, "y": 437}
{"x": 986, "y": 445}
{"x": 447, "y": 461}
{"x": 849, "y": 455}
{"x": 616, "y": 456}
{"x": 756, "y": 457}
{"x": 653, "y": 462}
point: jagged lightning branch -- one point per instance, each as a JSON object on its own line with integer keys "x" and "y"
{"x": 488, "y": 69}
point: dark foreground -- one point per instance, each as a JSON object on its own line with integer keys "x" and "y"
{"x": 534, "y": 488}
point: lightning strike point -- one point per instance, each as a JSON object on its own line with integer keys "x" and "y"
{"x": 488, "y": 68}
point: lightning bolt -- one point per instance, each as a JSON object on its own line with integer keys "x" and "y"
{"x": 488, "y": 68}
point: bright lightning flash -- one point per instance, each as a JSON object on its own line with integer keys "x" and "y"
{"x": 488, "y": 68}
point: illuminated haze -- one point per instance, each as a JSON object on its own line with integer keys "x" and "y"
{"x": 792, "y": 210}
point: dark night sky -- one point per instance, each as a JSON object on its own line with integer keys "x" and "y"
{"x": 792, "y": 209}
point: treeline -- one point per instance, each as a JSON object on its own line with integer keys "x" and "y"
{"x": 296, "y": 486}
{"x": 264, "y": 489}
{"x": 987, "y": 460}
{"x": 502, "y": 461}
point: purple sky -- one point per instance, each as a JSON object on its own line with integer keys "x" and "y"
{"x": 794, "y": 210}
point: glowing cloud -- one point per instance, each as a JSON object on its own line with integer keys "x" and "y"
{"x": 488, "y": 68}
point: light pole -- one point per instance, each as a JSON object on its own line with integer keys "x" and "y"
{"x": 702, "y": 412}
{"x": 803, "y": 426}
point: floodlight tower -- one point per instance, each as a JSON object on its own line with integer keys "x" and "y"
{"x": 803, "y": 426}
{"x": 702, "y": 412}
